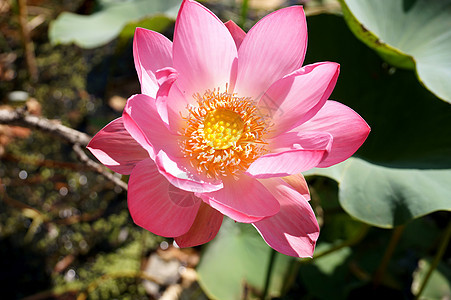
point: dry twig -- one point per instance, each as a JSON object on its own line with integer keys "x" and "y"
{"x": 76, "y": 138}
{"x": 20, "y": 117}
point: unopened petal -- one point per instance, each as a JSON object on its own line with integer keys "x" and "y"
{"x": 294, "y": 230}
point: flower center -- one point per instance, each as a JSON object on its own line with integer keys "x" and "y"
{"x": 222, "y": 128}
{"x": 223, "y": 134}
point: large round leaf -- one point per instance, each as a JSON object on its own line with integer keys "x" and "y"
{"x": 408, "y": 33}
{"x": 404, "y": 168}
{"x": 438, "y": 285}
{"x": 103, "y": 26}
{"x": 387, "y": 197}
{"x": 325, "y": 277}
{"x": 409, "y": 129}
{"x": 236, "y": 261}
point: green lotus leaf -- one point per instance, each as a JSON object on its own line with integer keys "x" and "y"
{"x": 386, "y": 197}
{"x": 438, "y": 285}
{"x": 105, "y": 25}
{"x": 236, "y": 261}
{"x": 403, "y": 170}
{"x": 407, "y": 34}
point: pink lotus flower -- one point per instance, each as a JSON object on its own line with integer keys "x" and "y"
{"x": 225, "y": 124}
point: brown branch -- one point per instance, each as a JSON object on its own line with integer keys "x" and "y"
{"x": 98, "y": 167}
{"x": 76, "y": 138}
{"x": 21, "y": 118}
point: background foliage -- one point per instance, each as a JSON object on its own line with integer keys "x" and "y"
{"x": 65, "y": 231}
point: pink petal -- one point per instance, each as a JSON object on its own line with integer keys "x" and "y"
{"x": 292, "y": 153}
{"x": 297, "y": 97}
{"x": 171, "y": 103}
{"x": 144, "y": 124}
{"x": 180, "y": 175}
{"x": 205, "y": 227}
{"x": 244, "y": 200}
{"x": 165, "y": 78}
{"x": 142, "y": 121}
{"x": 237, "y": 33}
{"x": 273, "y": 48}
{"x": 300, "y": 140}
{"x": 151, "y": 51}
{"x": 294, "y": 230}
{"x": 348, "y": 129}
{"x": 203, "y": 50}
{"x": 299, "y": 184}
{"x": 115, "y": 148}
{"x": 158, "y": 206}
